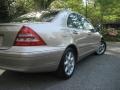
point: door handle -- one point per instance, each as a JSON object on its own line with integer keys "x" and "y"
{"x": 89, "y": 33}
{"x": 75, "y": 32}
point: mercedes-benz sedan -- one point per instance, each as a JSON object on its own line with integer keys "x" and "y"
{"x": 48, "y": 41}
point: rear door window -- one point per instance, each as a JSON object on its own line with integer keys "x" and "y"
{"x": 74, "y": 21}
{"x": 44, "y": 16}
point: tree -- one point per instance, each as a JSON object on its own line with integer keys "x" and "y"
{"x": 68, "y": 4}
{"x": 3, "y": 11}
{"x": 10, "y": 9}
{"x": 109, "y": 10}
{"x": 78, "y": 6}
{"x": 43, "y": 4}
{"x": 102, "y": 11}
{"x": 23, "y": 6}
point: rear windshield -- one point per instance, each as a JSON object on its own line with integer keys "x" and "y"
{"x": 44, "y": 16}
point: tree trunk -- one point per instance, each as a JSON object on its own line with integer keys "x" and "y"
{"x": 43, "y": 4}
{"x": 4, "y": 14}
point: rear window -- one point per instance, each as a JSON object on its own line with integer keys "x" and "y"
{"x": 44, "y": 16}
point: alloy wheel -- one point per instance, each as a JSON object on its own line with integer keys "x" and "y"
{"x": 69, "y": 63}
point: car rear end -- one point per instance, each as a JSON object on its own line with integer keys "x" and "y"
{"x": 24, "y": 49}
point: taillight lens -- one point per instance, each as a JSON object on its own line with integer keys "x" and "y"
{"x": 27, "y": 37}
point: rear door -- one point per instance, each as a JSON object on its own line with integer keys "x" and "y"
{"x": 80, "y": 38}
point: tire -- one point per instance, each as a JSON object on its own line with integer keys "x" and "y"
{"x": 67, "y": 64}
{"x": 101, "y": 49}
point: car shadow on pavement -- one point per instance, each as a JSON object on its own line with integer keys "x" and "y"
{"x": 83, "y": 75}
{"x": 10, "y": 80}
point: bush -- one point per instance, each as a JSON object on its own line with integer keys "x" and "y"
{"x": 115, "y": 36}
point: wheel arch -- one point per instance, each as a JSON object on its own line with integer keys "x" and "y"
{"x": 75, "y": 50}
{"x": 102, "y": 39}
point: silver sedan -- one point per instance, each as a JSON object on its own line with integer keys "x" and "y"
{"x": 48, "y": 41}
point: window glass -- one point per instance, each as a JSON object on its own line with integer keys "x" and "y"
{"x": 43, "y": 16}
{"x": 74, "y": 21}
{"x": 86, "y": 24}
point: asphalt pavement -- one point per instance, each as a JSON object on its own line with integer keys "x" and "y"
{"x": 92, "y": 73}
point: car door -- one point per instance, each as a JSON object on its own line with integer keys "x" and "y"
{"x": 93, "y": 37}
{"x": 75, "y": 25}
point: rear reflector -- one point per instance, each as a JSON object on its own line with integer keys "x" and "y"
{"x": 27, "y": 37}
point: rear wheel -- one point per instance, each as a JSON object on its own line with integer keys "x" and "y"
{"x": 101, "y": 49}
{"x": 67, "y": 64}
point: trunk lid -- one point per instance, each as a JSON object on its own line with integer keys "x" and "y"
{"x": 8, "y": 33}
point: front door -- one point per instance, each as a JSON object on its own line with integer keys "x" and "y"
{"x": 80, "y": 38}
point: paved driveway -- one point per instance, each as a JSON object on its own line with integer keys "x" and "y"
{"x": 92, "y": 73}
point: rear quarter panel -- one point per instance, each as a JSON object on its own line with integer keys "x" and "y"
{"x": 53, "y": 34}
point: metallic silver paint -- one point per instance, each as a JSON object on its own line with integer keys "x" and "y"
{"x": 44, "y": 58}
{"x": 22, "y": 59}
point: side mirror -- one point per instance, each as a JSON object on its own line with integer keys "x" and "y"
{"x": 98, "y": 28}
{"x": 93, "y": 30}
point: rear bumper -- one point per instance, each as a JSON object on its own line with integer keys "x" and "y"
{"x": 31, "y": 59}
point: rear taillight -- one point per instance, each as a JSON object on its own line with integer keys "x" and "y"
{"x": 27, "y": 37}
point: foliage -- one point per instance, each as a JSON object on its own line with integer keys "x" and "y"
{"x": 68, "y": 4}
{"x": 42, "y": 4}
{"x": 93, "y": 13}
{"x": 19, "y": 7}
{"x": 99, "y": 11}
{"x": 12, "y": 8}
{"x": 3, "y": 11}
{"x": 107, "y": 37}
{"x": 110, "y": 10}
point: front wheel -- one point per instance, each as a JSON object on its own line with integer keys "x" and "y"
{"x": 101, "y": 49}
{"x": 67, "y": 64}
